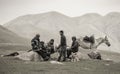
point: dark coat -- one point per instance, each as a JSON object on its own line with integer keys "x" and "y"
{"x": 63, "y": 41}
{"x": 35, "y": 43}
{"x": 50, "y": 47}
{"x": 75, "y": 46}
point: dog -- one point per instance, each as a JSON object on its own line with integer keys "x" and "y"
{"x": 75, "y": 57}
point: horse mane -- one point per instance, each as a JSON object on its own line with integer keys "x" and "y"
{"x": 101, "y": 38}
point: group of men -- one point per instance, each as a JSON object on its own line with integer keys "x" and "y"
{"x": 45, "y": 51}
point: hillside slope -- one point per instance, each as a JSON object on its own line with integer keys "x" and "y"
{"x": 48, "y": 26}
{"x": 7, "y": 36}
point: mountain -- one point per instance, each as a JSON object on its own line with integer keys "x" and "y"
{"x": 7, "y": 36}
{"x": 108, "y": 25}
{"x": 89, "y": 18}
{"x": 49, "y": 24}
{"x": 86, "y": 24}
{"x": 112, "y": 26}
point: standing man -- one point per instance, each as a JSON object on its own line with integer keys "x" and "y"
{"x": 62, "y": 46}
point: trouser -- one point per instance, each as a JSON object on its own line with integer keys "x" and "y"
{"x": 44, "y": 55}
{"x": 52, "y": 51}
{"x": 62, "y": 53}
{"x": 69, "y": 53}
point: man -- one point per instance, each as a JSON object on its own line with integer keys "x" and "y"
{"x": 38, "y": 46}
{"x": 35, "y": 43}
{"x": 43, "y": 52}
{"x": 74, "y": 47}
{"x": 62, "y": 46}
{"x": 50, "y": 46}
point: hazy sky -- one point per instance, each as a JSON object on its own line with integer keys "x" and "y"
{"x": 10, "y": 9}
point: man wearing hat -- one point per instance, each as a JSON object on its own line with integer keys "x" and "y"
{"x": 35, "y": 43}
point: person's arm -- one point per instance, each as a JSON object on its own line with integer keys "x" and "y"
{"x": 75, "y": 45}
{"x": 58, "y": 46}
{"x": 32, "y": 42}
{"x": 29, "y": 50}
{"x": 60, "y": 43}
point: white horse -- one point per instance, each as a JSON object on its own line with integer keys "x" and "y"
{"x": 88, "y": 45}
{"x": 25, "y": 55}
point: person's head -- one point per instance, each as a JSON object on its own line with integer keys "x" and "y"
{"x": 73, "y": 38}
{"x": 61, "y": 32}
{"x": 37, "y": 36}
{"x": 42, "y": 43}
{"x": 52, "y": 41}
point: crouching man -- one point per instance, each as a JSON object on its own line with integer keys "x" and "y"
{"x": 74, "y": 47}
{"x": 38, "y": 46}
{"x": 35, "y": 43}
{"x": 50, "y": 47}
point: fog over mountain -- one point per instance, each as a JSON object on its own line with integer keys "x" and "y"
{"x": 7, "y": 36}
{"x": 48, "y": 26}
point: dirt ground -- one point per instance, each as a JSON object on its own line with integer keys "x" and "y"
{"x": 10, "y": 65}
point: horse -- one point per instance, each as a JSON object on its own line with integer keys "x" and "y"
{"x": 98, "y": 42}
{"x": 25, "y": 55}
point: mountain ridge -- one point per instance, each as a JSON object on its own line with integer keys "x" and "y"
{"x": 48, "y": 25}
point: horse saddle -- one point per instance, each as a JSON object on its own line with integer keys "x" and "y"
{"x": 89, "y": 39}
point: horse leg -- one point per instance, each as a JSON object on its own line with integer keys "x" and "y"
{"x": 12, "y": 54}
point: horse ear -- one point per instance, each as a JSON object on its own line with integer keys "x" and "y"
{"x": 105, "y": 37}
